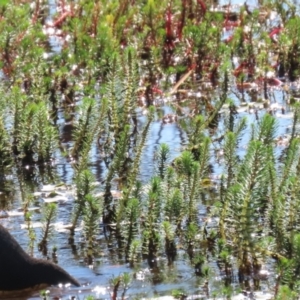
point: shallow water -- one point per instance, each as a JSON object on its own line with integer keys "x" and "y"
{"x": 146, "y": 282}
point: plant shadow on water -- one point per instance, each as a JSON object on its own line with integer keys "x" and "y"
{"x": 152, "y": 151}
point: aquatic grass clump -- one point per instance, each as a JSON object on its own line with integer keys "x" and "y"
{"x": 49, "y": 216}
{"x": 91, "y": 217}
{"x": 121, "y": 144}
{"x": 130, "y": 231}
{"x": 34, "y": 138}
{"x": 85, "y": 188}
{"x": 123, "y": 282}
{"x": 87, "y": 208}
{"x": 170, "y": 243}
{"x": 151, "y": 229}
{"x": 6, "y": 160}
{"x": 84, "y": 126}
{"x": 245, "y": 200}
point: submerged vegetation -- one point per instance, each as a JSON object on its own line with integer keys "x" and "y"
{"x": 82, "y": 85}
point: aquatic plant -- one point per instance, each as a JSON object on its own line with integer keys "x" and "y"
{"x": 91, "y": 216}
{"x": 245, "y": 198}
{"x": 126, "y": 147}
{"x": 31, "y": 232}
{"x": 34, "y": 137}
{"x": 170, "y": 244}
{"x": 85, "y": 188}
{"x": 83, "y": 97}
{"x": 130, "y": 230}
{"x": 291, "y": 50}
{"x": 84, "y": 127}
{"x": 5, "y": 149}
{"x": 150, "y": 232}
{"x": 122, "y": 281}
{"x": 134, "y": 252}
{"x": 49, "y": 215}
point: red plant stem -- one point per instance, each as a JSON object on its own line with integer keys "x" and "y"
{"x": 244, "y": 67}
{"x": 36, "y": 11}
{"x": 61, "y": 19}
{"x": 169, "y": 23}
{"x": 274, "y": 32}
{"x": 182, "y": 20}
{"x": 157, "y": 90}
{"x": 203, "y": 6}
{"x": 169, "y": 43}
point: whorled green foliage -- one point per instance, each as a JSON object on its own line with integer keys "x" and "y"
{"x": 154, "y": 200}
{"x": 31, "y": 232}
{"x": 256, "y": 199}
{"x": 84, "y": 126}
{"x": 247, "y": 197}
{"x": 162, "y": 157}
{"x": 134, "y": 251}
{"x": 229, "y": 122}
{"x": 230, "y": 156}
{"x": 296, "y": 120}
{"x": 130, "y": 84}
{"x": 47, "y": 134}
{"x": 119, "y": 157}
{"x": 35, "y": 138}
{"x": 141, "y": 141}
{"x": 284, "y": 292}
{"x": 87, "y": 129}
{"x": 130, "y": 181}
{"x": 190, "y": 236}
{"x": 224, "y": 256}
{"x": 196, "y": 135}
{"x": 91, "y": 216}
{"x": 174, "y": 206}
{"x": 267, "y": 129}
{"x": 26, "y": 137}
{"x": 114, "y": 98}
{"x": 291, "y": 52}
{"x": 121, "y": 282}
{"x": 204, "y": 157}
{"x": 284, "y": 279}
{"x": 246, "y": 200}
{"x": 121, "y": 95}
{"x": 130, "y": 226}
{"x": 49, "y": 215}
{"x": 290, "y": 163}
{"x": 191, "y": 173}
{"x": 10, "y": 33}
{"x": 120, "y": 152}
{"x": 171, "y": 177}
{"x": 152, "y": 212}
{"x": 177, "y": 194}
{"x": 5, "y": 149}
{"x": 85, "y": 188}
{"x": 170, "y": 243}
{"x": 284, "y": 211}
{"x": 121, "y": 145}
{"x": 282, "y": 199}
{"x": 230, "y": 147}
{"x": 185, "y": 165}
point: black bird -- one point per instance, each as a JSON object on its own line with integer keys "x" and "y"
{"x": 20, "y": 272}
